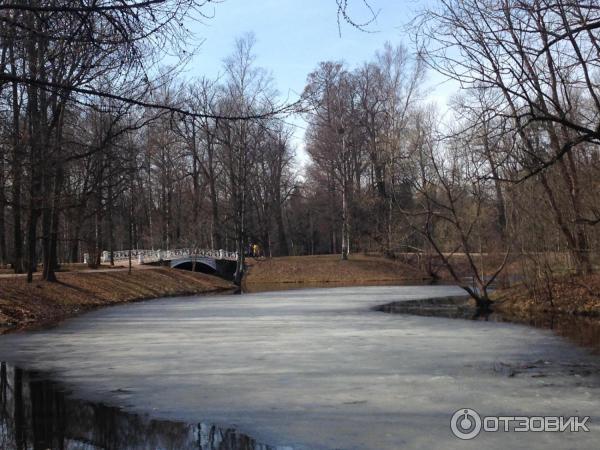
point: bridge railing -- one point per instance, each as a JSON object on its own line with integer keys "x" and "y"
{"x": 150, "y": 256}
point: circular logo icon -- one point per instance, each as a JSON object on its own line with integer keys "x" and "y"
{"x": 466, "y": 424}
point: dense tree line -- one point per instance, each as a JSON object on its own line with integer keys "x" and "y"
{"x": 101, "y": 149}
{"x": 515, "y": 168}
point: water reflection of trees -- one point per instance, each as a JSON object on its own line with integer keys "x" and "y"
{"x": 37, "y": 414}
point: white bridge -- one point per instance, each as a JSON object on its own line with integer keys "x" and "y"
{"x": 173, "y": 257}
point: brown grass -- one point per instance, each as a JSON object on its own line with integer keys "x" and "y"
{"x": 23, "y": 304}
{"x": 67, "y": 267}
{"x": 330, "y": 269}
{"x": 578, "y": 295}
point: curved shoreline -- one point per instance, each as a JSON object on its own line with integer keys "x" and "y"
{"x": 277, "y": 366}
{"x": 39, "y": 304}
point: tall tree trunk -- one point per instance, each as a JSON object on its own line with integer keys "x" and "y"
{"x": 130, "y": 228}
{"x": 240, "y": 238}
{"x": 3, "y": 249}
{"x": 16, "y": 171}
{"x": 46, "y": 216}
{"x": 282, "y": 237}
{"x": 109, "y": 217}
{"x": 98, "y": 236}
{"x": 32, "y": 238}
{"x": 48, "y": 181}
{"x": 240, "y": 173}
{"x": 35, "y": 147}
{"x": 51, "y": 258}
{"x": 195, "y": 183}
{"x": 214, "y": 201}
{"x": 75, "y": 237}
{"x": 344, "y": 224}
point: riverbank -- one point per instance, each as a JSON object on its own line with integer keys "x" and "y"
{"x": 37, "y": 303}
{"x": 358, "y": 269}
{"x": 569, "y": 295}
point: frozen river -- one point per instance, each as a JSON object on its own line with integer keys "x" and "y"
{"x": 314, "y": 368}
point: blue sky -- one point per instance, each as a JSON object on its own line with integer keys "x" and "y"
{"x": 293, "y": 36}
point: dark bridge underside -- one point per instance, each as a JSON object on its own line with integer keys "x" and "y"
{"x": 221, "y": 268}
{"x": 199, "y": 267}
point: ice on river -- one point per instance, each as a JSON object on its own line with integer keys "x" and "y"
{"x": 319, "y": 369}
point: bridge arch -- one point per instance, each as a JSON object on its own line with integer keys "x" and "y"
{"x": 203, "y": 264}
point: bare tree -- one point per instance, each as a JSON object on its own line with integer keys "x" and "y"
{"x": 449, "y": 190}
{"x": 540, "y": 59}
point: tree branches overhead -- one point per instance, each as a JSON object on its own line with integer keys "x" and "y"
{"x": 541, "y": 57}
{"x": 126, "y": 40}
{"x": 345, "y": 15}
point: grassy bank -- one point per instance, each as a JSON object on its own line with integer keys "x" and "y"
{"x": 330, "y": 269}
{"x": 67, "y": 267}
{"x": 23, "y": 304}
